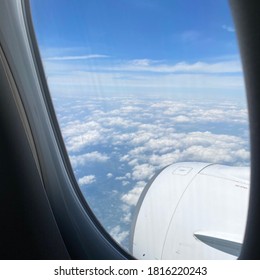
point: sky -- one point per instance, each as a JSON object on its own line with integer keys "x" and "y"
{"x": 138, "y": 47}
{"x": 138, "y": 85}
{"x": 154, "y": 29}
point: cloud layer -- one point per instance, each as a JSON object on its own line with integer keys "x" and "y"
{"x": 101, "y": 74}
{"x": 123, "y": 141}
{"x": 87, "y": 180}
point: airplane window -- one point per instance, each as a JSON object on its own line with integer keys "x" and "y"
{"x": 151, "y": 103}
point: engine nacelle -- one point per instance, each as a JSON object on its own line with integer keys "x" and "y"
{"x": 192, "y": 211}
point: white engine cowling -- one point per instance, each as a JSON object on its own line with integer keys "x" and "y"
{"x": 192, "y": 211}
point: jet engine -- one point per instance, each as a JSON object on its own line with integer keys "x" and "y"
{"x": 192, "y": 211}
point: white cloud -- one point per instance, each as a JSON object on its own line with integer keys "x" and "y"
{"x": 142, "y": 62}
{"x": 133, "y": 162}
{"x": 142, "y": 137}
{"x": 81, "y": 160}
{"x": 143, "y": 172}
{"x": 118, "y": 121}
{"x": 87, "y": 180}
{"x": 76, "y": 57}
{"x": 127, "y": 218}
{"x": 109, "y": 175}
{"x": 120, "y": 178}
{"x": 124, "y": 158}
{"x": 209, "y": 154}
{"x": 228, "y": 28}
{"x": 78, "y": 142}
{"x": 218, "y": 114}
{"x": 163, "y": 160}
{"x": 133, "y": 195}
{"x": 118, "y": 234}
{"x": 231, "y": 66}
{"x": 181, "y": 119}
{"x": 199, "y": 146}
{"x": 78, "y": 134}
{"x": 165, "y": 141}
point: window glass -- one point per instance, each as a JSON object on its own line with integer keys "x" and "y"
{"x": 139, "y": 85}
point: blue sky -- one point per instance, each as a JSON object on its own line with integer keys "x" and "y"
{"x": 138, "y": 47}
{"x": 123, "y": 29}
